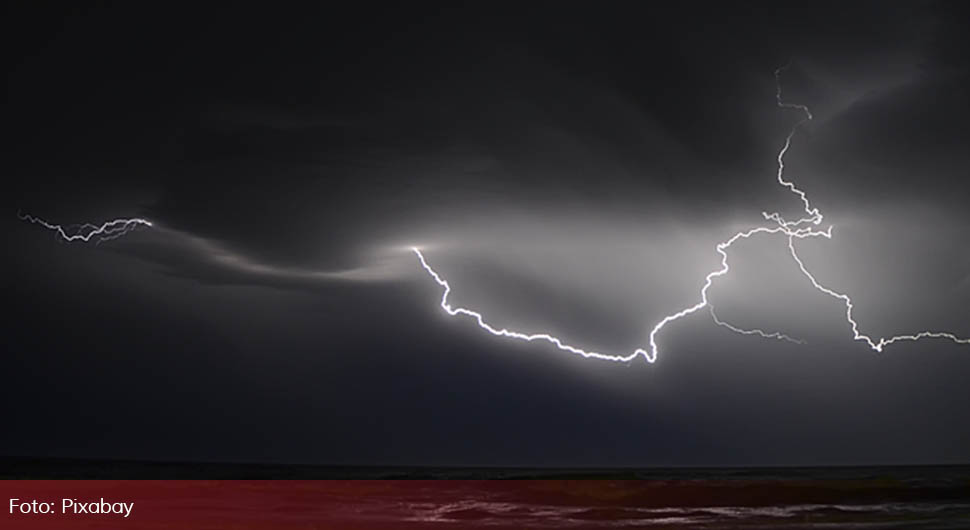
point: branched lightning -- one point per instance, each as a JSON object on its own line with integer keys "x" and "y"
{"x": 503, "y": 332}
{"x": 758, "y": 332}
{"x": 792, "y": 229}
{"x": 801, "y": 228}
{"x": 85, "y": 232}
{"x": 877, "y": 345}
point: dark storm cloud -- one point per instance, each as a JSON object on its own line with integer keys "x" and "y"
{"x": 568, "y": 168}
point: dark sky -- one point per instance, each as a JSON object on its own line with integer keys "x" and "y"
{"x": 569, "y": 168}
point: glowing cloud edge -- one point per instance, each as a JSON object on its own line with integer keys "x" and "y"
{"x": 792, "y": 229}
{"x": 789, "y": 228}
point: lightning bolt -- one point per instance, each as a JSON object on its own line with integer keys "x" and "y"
{"x": 815, "y": 217}
{"x": 792, "y": 229}
{"x": 503, "y": 332}
{"x": 876, "y": 345}
{"x": 85, "y": 232}
{"x": 759, "y": 332}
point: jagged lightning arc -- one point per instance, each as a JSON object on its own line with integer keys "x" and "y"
{"x": 791, "y": 229}
{"x": 85, "y": 232}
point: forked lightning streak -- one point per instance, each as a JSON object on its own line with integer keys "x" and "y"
{"x": 791, "y": 229}
{"x": 85, "y": 232}
{"x": 798, "y": 229}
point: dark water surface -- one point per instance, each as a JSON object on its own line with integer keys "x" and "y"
{"x": 836, "y": 497}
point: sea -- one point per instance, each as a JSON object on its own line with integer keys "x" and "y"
{"x": 873, "y": 497}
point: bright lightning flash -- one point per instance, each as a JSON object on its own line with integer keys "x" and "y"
{"x": 87, "y": 231}
{"x": 798, "y": 229}
{"x": 792, "y": 229}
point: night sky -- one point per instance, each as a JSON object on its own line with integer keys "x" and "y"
{"x": 568, "y": 168}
